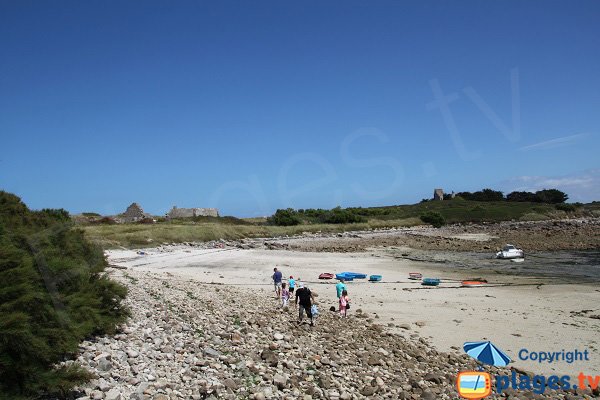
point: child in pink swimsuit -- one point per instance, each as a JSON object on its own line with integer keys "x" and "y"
{"x": 344, "y": 303}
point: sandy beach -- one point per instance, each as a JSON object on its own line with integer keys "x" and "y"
{"x": 515, "y": 312}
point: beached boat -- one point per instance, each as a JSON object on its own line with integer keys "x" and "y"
{"x": 473, "y": 283}
{"x": 343, "y": 276}
{"x": 415, "y": 276}
{"x": 375, "y": 278}
{"x": 326, "y": 275}
{"x": 355, "y": 275}
{"x": 509, "y": 251}
{"x": 430, "y": 282}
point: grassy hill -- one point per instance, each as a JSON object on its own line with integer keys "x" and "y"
{"x": 212, "y": 228}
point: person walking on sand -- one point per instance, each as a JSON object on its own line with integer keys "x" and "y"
{"x": 344, "y": 304}
{"x": 292, "y": 283}
{"x": 285, "y": 295}
{"x": 304, "y": 299}
{"x": 297, "y": 284}
{"x": 340, "y": 287}
{"x": 277, "y": 275}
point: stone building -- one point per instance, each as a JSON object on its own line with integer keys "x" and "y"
{"x": 134, "y": 213}
{"x": 438, "y": 194}
{"x": 192, "y": 212}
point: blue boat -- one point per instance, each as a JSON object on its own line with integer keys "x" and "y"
{"x": 430, "y": 282}
{"x": 375, "y": 278}
{"x": 344, "y": 277}
{"x": 355, "y": 275}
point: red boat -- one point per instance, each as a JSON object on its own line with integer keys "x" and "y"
{"x": 326, "y": 275}
{"x": 473, "y": 283}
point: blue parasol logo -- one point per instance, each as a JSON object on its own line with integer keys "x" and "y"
{"x": 487, "y": 353}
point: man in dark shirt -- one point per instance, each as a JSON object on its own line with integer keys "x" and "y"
{"x": 277, "y": 275}
{"x": 304, "y": 299}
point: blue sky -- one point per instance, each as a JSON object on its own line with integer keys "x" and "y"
{"x": 254, "y": 106}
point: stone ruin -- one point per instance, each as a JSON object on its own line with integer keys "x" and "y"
{"x": 134, "y": 213}
{"x": 192, "y": 212}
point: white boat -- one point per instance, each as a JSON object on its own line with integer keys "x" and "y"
{"x": 509, "y": 251}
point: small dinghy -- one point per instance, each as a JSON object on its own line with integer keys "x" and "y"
{"x": 375, "y": 278}
{"x": 347, "y": 278}
{"x": 354, "y": 275}
{"x": 326, "y": 275}
{"x": 473, "y": 283}
{"x": 415, "y": 276}
{"x": 510, "y": 251}
{"x": 517, "y": 260}
{"x": 430, "y": 282}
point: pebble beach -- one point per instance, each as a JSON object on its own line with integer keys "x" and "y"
{"x": 205, "y": 323}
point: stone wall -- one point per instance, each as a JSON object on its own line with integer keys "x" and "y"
{"x": 192, "y": 212}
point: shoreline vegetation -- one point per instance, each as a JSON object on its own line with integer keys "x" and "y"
{"x": 53, "y": 295}
{"x": 452, "y": 212}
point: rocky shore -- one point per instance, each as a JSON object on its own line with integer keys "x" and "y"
{"x": 580, "y": 234}
{"x": 543, "y": 236}
{"x": 188, "y": 340}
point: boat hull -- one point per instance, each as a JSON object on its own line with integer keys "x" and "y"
{"x": 509, "y": 252}
{"x": 472, "y": 283}
{"x": 430, "y": 282}
{"x": 354, "y": 275}
{"x": 415, "y": 276}
{"x": 508, "y": 256}
{"x": 344, "y": 277}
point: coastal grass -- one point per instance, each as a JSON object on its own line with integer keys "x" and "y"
{"x": 145, "y": 235}
{"x": 212, "y": 228}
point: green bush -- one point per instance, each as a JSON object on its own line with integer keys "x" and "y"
{"x": 551, "y": 196}
{"x": 53, "y": 294}
{"x": 482, "y": 195}
{"x": 339, "y": 216}
{"x": 565, "y": 207}
{"x": 434, "y": 218}
{"x": 90, "y": 214}
{"x": 521, "y": 197}
{"x": 287, "y": 217}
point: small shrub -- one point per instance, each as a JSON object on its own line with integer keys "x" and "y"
{"x": 565, "y": 207}
{"x": 287, "y": 217}
{"x": 434, "y": 218}
{"x": 552, "y": 196}
{"x": 90, "y": 214}
{"x": 339, "y": 216}
{"x": 104, "y": 221}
